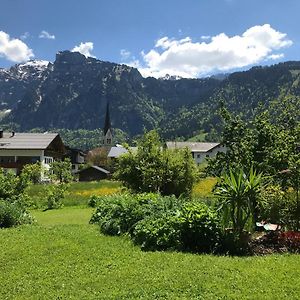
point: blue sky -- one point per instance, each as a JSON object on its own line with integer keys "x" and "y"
{"x": 190, "y": 38}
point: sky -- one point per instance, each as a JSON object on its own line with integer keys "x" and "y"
{"x": 189, "y": 38}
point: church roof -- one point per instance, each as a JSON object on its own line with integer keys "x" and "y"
{"x": 107, "y": 123}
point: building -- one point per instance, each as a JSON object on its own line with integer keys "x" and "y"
{"x": 107, "y": 140}
{"x": 98, "y": 156}
{"x": 19, "y": 149}
{"x": 92, "y": 173}
{"x": 200, "y": 151}
{"x": 116, "y": 151}
{"x": 76, "y": 156}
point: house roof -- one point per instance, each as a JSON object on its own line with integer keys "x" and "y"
{"x": 26, "y": 140}
{"x": 193, "y": 146}
{"x": 116, "y": 151}
{"x": 96, "y": 168}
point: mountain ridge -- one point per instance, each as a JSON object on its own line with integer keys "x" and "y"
{"x": 72, "y": 93}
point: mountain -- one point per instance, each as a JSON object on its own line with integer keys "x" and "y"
{"x": 15, "y": 81}
{"x": 72, "y": 93}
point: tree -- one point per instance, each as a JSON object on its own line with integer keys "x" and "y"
{"x": 13, "y": 198}
{"x": 153, "y": 168}
{"x": 264, "y": 143}
{"x": 62, "y": 170}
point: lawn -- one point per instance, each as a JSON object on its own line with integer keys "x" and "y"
{"x": 63, "y": 257}
{"x": 78, "y": 193}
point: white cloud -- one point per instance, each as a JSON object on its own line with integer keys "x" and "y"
{"x": 46, "y": 35}
{"x": 14, "y": 49}
{"x": 221, "y": 53}
{"x": 276, "y": 56}
{"x": 205, "y": 37}
{"x": 125, "y": 54}
{"x": 135, "y": 63}
{"x": 25, "y": 36}
{"x": 84, "y": 48}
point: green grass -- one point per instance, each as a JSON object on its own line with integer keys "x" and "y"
{"x": 78, "y": 194}
{"x": 200, "y": 137}
{"x": 62, "y": 257}
{"x": 204, "y": 187}
{"x": 67, "y": 215}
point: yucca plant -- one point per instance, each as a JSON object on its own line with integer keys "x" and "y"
{"x": 238, "y": 194}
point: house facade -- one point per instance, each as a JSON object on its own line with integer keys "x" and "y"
{"x": 76, "y": 156}
{"x": 20, "y": 149}
{"x": 200, "y": 151}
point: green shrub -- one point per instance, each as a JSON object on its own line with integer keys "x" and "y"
{"x": 159, "y": 223}
{"x": 93, "y": 201}
{"x": 272, "y": 204}
{"x": 117, "y": 214}
{"x": 12, "y": 214}
{"x": 200, "y": 228}
{"x": 13, "y": 198}
{"x": 160, "y": 233}
{"x": 190, "y": 227}
{"x": 280, "y": 207}
{"x": 55, "y": 194}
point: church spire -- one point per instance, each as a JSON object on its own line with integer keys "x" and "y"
{"x": 107, "y": 133}
{"x": 107, "y": 124}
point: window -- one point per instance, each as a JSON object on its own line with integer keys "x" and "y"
{"x": 35, "y": 159}
{"x": 7, "y": 159}
{"x": 48, "y": 160}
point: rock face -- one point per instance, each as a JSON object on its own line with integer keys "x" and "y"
{"x": 15, "y": 81}
{"x": 72, "y": 92}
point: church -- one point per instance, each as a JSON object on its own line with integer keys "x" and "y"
{"x": 99, "y": 156}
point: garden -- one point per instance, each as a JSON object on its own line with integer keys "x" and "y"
{"x": 163, "y": 228}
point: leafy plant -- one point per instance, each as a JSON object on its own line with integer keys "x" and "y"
{"x": 118, "y": 214}
{"x": 62, "y": 171}
{"x": 55, "y": 194}
{"x": 238, "y": 195}
{"x": 155, "y": 169}
{"x": 12, "y": 214}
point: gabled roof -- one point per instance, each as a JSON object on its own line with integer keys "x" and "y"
{"x": 193, "y": 146}
{"x": 96, "y": 168}
{"x": 24, "y": 141}
{"x": 117, "y": 151}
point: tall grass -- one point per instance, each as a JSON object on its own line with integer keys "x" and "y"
{"x": 204, "y": 187}
{"x": 78, "y": 193}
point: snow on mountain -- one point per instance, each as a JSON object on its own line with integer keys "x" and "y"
{"x": 38, "y": 64}
{"x": 31, "y": 68}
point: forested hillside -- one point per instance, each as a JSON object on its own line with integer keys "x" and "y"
{"x": 71, "y": 94}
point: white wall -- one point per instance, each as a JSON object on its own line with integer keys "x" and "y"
{"x": 200, "y": 157}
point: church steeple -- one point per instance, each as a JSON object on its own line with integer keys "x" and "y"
{"x": 107, "y": 124}
{"x": 107, "y": 134}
